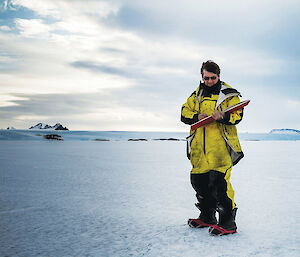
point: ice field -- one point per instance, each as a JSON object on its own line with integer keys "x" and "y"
{"x": 120, "y": 198}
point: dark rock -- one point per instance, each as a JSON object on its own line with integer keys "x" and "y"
{"x": 173, "y": 139}
{"x": 137, "y": 139}
{"x": 100, "y": 139}
{"x": 167, "y": 139}
{"x": 53, "y": 137}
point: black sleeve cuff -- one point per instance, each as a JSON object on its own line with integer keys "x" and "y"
{"x": 226, "y": 119}
{"x": 188, "y": 120}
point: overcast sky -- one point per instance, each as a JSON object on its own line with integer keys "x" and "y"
{"x": 130, "y": 65}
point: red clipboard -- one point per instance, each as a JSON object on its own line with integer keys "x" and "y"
{"x": 210, "y": 119}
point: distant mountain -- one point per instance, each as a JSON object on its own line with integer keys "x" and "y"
{"x": 284, "y": 131}
{"x": 57, "y": 126}
{"x": 39, "y": 126}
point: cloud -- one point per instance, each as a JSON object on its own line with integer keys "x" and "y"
{"x": 5, "y": 28}
{"x": 42, "y": 8}
{"x": 114, "y": 109}
{"x": 141, "y": 60}
{"x": 32, "y": 28}
{"x": 62, "y": 9}
{"x": 255, "y": 25}
{"x": 95, "y": 67}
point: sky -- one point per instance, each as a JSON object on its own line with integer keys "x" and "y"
{"x": 130, "y": 65}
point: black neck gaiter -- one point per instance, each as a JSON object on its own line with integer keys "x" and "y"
{"x": 213, "y": 90}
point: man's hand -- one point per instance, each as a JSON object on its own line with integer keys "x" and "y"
{"x": 202, "y": 116}
{"x": 218, "y": 115}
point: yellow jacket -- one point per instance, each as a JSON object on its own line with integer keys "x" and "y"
{"x": 215, "y": 146}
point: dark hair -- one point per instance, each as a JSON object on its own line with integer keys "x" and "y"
{"x": 210, "y": 66}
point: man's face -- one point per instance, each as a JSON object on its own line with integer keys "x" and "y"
{"x": 210, "y": 78}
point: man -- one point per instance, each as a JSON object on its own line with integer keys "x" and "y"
{"x": 213, "y": 150}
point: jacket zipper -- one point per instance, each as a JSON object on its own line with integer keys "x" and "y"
{"x": 204, "y": 140}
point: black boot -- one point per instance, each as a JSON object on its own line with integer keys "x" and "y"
{"x": 206, "y": 202}
{"x": 227, "y": 220}
{"x": 226, "y": 224}
{"x": 206, "y": 218}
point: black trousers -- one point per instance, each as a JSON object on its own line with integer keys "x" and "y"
{"x": 211, "y": 191}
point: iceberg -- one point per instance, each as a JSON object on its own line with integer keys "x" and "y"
{"x": 285, "y": 131}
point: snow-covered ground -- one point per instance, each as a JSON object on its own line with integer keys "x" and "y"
{"x": 120, "y": 198}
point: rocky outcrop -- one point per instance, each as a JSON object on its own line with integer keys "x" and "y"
{"x": 168, "y": 139}
{"x": 53, "y": 137}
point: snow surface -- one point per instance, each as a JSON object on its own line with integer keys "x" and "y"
{"x": 119, "y": 198}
